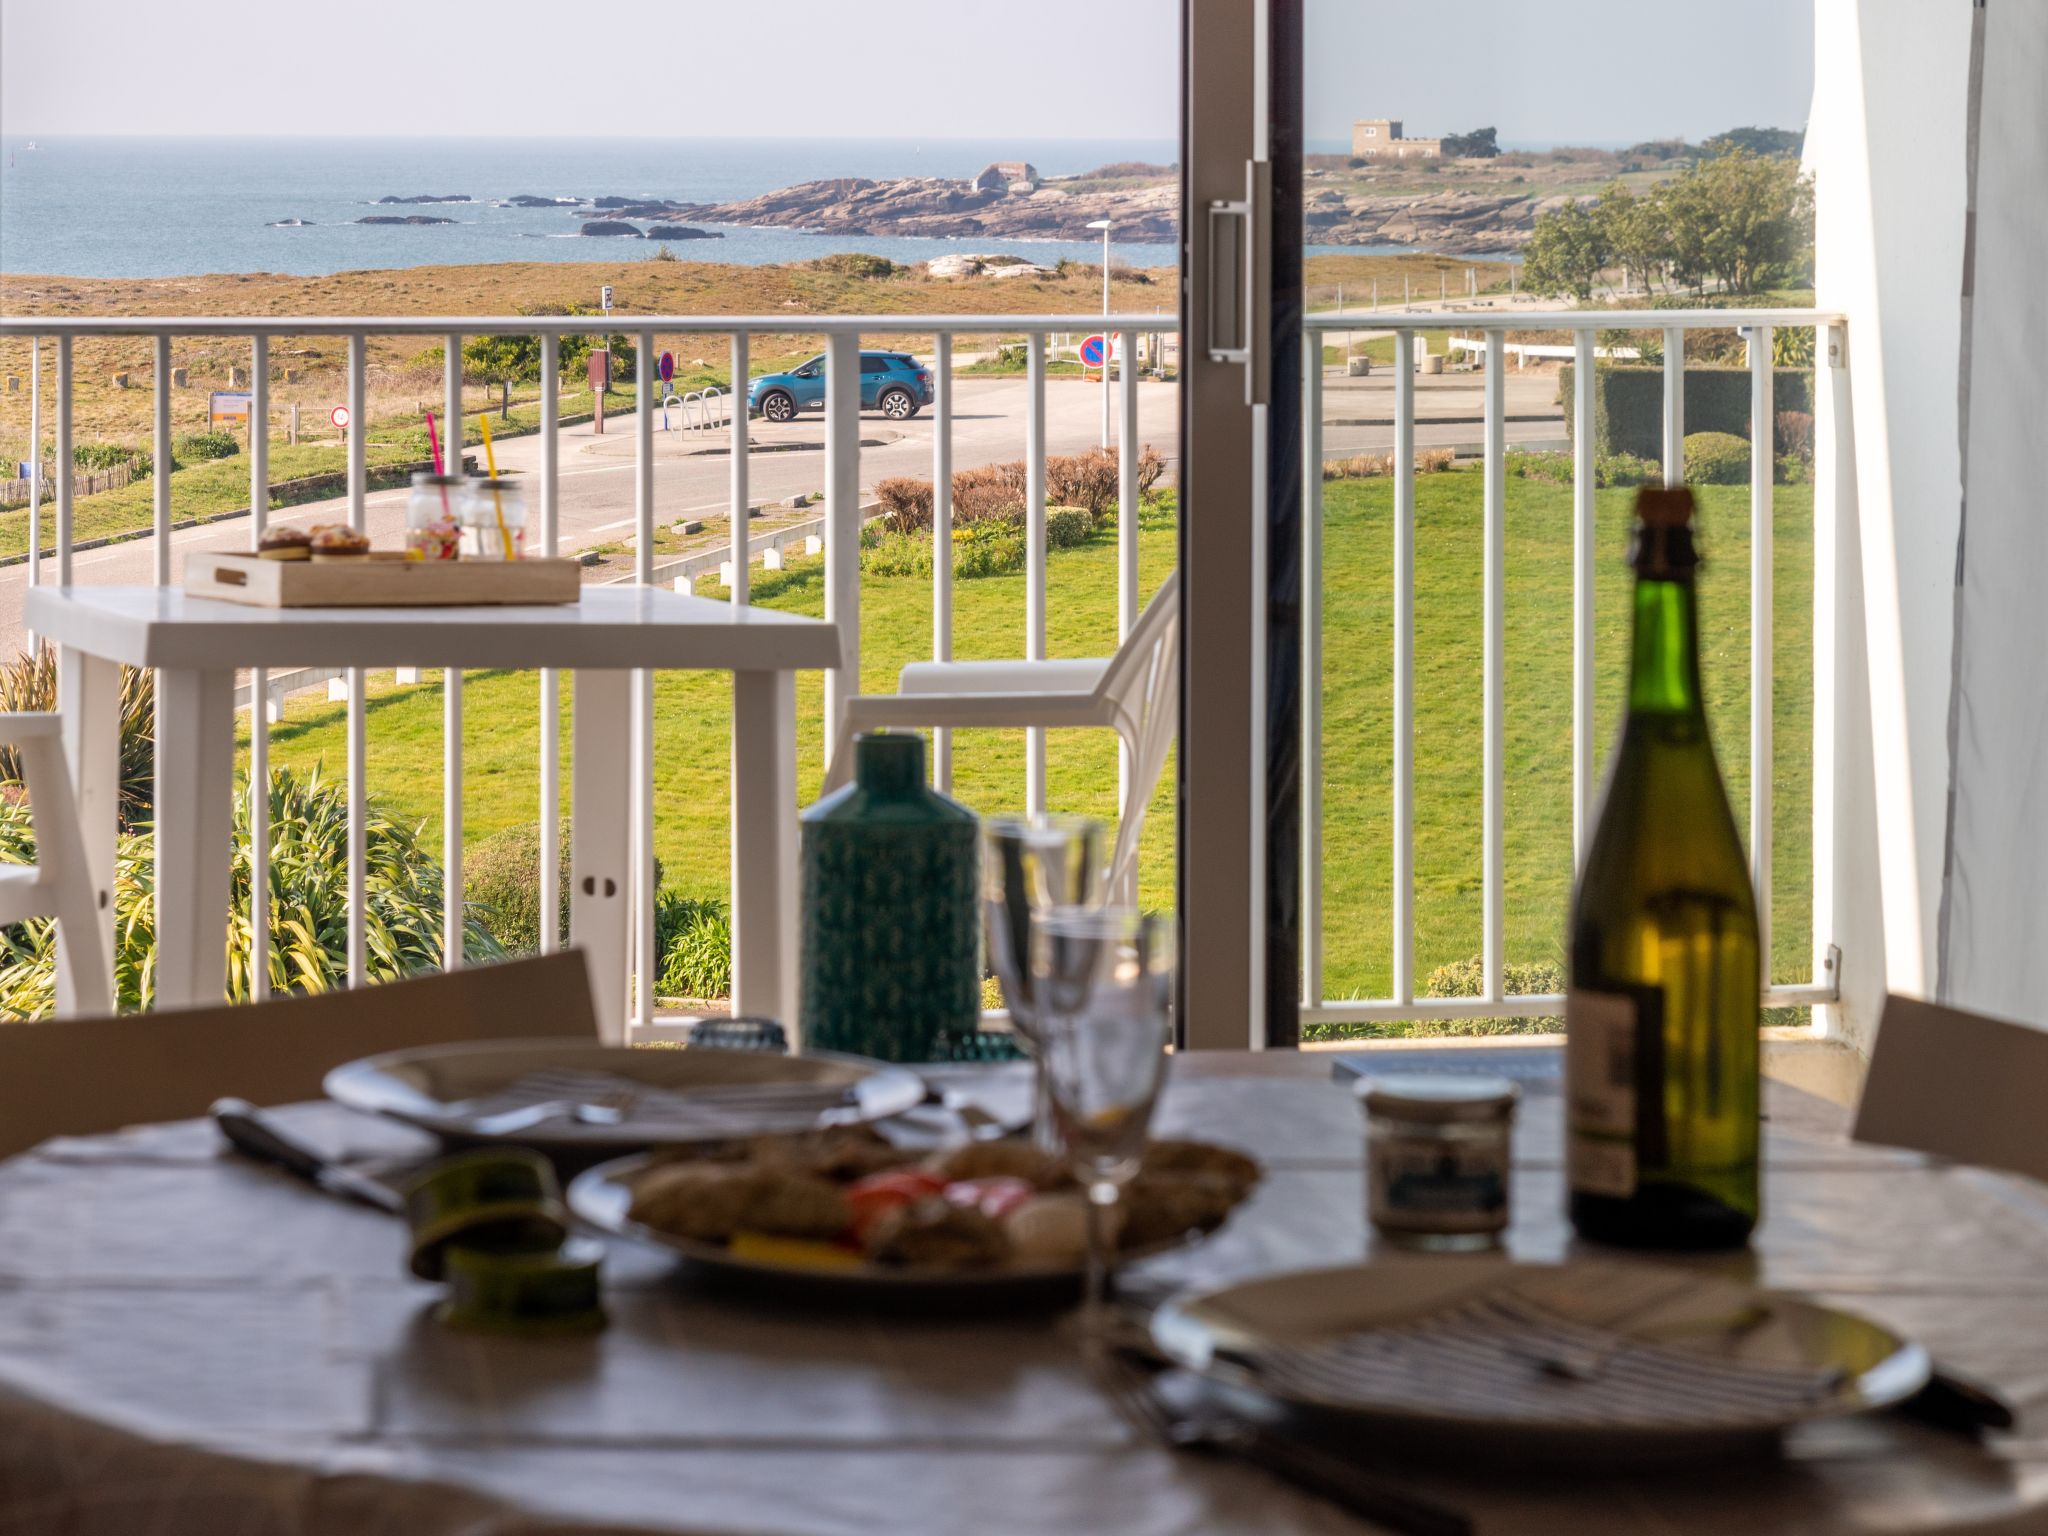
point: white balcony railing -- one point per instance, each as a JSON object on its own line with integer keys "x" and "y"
{"x": 842, "y": 541}
{"x": 1403, "y": 1003}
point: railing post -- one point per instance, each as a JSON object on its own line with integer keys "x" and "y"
{"x": 742, "y": 529}
{"x": 1762, "y": 642}
{"x": 942, "y": 538}
{"x": 1585, "y": 503}
{"x": 1127, "y": 607}
{"x": 35, "y": 465}
{"x": 1311, "y": 670}
{"x": 1837, "y": 637}
{"x": 646, "y": 962}
{"x": 550, "y": 679}
{"x": 1034, "y": 558}
{"x": 358, "y": 807}
{"x": 63, "y": 464}
{"x": 842, "y": 526}
{"x": 161, "y": 462}
{"x": 259, "y": 684}
{"x": 1674, "y": 405}
{"x": 1404, "y": 665}
{"x": 1495, "y": 661}
{"x": 451, "y": 693}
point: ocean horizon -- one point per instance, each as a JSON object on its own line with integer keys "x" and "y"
{"x": 116, "y": 207}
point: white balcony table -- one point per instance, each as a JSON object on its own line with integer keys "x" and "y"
{"x": 192, "y": 1343}
{"x": 198, "y": 644}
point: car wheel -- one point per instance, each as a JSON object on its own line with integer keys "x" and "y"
{"x": 898, "y": 406}
{"x": 777, "y": 406}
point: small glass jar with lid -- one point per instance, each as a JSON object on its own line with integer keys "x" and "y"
{"x": 494, "y": 520}
{"x": 433, "y": 529}
{"x": 1438, "y": 1158}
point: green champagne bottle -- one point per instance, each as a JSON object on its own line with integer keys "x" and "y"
{"x": 1661, "y": 1010}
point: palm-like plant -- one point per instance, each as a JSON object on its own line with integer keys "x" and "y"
{"x": 308, "y": 903}
{"x": 29, "y": 682}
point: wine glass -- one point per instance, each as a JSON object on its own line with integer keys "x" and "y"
{"x": 1102, "y": 982}
{"x": 1031, "y": 865}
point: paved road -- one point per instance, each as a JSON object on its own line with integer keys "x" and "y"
{"x": 692, "y": 479}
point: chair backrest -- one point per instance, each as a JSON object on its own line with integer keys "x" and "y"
{"x": 1131, "y": 666}
{"x": 84, "y": 1076}
{"x": 1958, "y": 1085}
{"x": 1141, "y": 687}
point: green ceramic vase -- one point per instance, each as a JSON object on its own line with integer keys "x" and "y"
{"x": 891, "y": 925}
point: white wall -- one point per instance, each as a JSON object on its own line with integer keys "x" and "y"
{"x": 1887, "y": 147}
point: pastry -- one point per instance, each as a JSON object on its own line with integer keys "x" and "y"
{"x": 285, "y": 544}
{"x": 937, "y": 1234}
{"x": 338, "y": 542}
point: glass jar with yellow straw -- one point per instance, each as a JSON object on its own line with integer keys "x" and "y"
{"x": 494, "y": 512}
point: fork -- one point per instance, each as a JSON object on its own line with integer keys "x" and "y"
{"x": 1214, "y": 1433}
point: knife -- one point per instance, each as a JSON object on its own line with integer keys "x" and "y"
{"x": 256, "y": 1135}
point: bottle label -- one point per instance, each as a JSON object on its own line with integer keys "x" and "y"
{"x": 1601, "y": 1033}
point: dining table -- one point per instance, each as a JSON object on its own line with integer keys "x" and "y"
{"x": 197, "y": 644}
{"x": 193, "y": 1342}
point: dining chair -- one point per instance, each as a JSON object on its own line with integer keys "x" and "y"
{"x": 59, "y": 883}
{"x": 1959, "y": 1085}
{"x": 78, "y": 1077}
{"x": 1134, "y": 693}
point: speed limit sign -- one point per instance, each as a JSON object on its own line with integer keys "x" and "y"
{"x": 339, "y": 416}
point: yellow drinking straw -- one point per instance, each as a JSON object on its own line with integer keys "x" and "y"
{"x": 497, "y": 505}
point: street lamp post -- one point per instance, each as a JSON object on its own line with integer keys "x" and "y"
{"x": 1108, "y": 342}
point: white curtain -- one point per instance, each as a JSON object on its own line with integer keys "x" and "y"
{"x": 1994, "y": 918}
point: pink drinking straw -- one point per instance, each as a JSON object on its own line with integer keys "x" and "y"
{"x": 434, "y": 442}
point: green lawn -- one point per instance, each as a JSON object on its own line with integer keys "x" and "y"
{"x": 692, "y": 744}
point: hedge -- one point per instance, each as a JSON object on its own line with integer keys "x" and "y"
{"x": 1628, "y": 404}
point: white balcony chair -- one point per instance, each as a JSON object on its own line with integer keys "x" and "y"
{"x": 1134, "y": 693}
{"x": 58, "y": 884}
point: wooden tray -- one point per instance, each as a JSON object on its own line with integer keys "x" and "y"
{"x": 381, "y": 579}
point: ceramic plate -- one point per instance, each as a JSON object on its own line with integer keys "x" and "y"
{"x": 1523, "y": 1360}
{"x": 660, "y": 1097}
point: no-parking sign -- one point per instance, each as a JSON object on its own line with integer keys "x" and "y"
{"x": 1093, "y": 351}
{"x": 668, "y": 367}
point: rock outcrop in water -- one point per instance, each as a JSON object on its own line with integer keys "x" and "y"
{"x": 528, "y": 200}
{"x": 683, "y": 232}
{"x": 610, "y": 227}
{"x": 430, "y": 197}
{"x": 289, "y": 224}
{"x": 402, "y": 218}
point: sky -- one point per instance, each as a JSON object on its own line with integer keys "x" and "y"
{"x": 1541, "y": 71}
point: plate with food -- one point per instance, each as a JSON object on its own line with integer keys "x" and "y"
{"x": 577, "y": 1099}
{"x": 845, "y": 1209}
{"x": 1594, "y": 1358}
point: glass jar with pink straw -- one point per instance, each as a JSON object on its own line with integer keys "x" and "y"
{"x": 433, "y": 529}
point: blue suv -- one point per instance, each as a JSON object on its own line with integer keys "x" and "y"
{"x": 894, "y": 383}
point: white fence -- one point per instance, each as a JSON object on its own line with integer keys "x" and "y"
{"x": 841, "y": 539}
{"x": 1404, "y": 1004}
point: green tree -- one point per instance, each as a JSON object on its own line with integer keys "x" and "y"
{"x": 1479, "y": 144}
{"x": 1741, "y": 220}
{"x": 1638, "y": 234}
{"x": 1566, "y": 251}
{"x": 502, "y": 359}
{"x": 1779, "y": 142}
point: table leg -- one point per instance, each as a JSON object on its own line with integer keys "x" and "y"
{"x": 89, "y": 694}
{"x": 195, "y": 766}
{"x": 764, "y": 847}
{"x": 600, "y": 832}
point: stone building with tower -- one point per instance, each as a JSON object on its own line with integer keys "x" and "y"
{"x": 1379, "y": 138}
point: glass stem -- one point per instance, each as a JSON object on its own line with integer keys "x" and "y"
{"x": 1101, "y": 1198}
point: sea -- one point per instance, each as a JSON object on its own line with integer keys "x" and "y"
{"x": 170, "y": 207}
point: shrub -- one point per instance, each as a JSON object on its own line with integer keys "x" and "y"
{"x": 694, "y": 939}
{"x": 308, "y": 903}
{"x": 855, "y": 264}
{"x": 1793, "y": 470}
{"x": 96, "y": 456}
{"x": 906, "y": 504}
{"x": 1792, "y": 346}
{"x": 501, "y": 887}
{"x": 198, "y": 447}
{"x": 989, "y": 492}
{"x": 987, "y": 549}
{"x": 896, "y": 554}
{"x": 29, "y": 683}
{"x": 1795, "y": 435}
{"x": 1626, "y": 469}
{"x": 1087, "y": 480}
{"x": 1466, "y": 978}
{"x": 1552, "y": 468}
{"x": 1067, "y": 527}
{"x": 1374, "y": 466}
{"x": 1716, "y": 458}
{"x": 1629, "y": 403}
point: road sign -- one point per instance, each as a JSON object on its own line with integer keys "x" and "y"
{"x": 339, "y": 416}
{"x": 668, "y": 367}
{"x": 607, "y": 298}
{"x": 1092, "y": 352}
{"x": 226, "y": 407}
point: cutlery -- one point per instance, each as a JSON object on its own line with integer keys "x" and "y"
{"x": 1215, "y": 1433}
{"x": 509, "y": 1121}
{"x": 1956, "y": 1403}
{"x": 256, "y": 1135}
